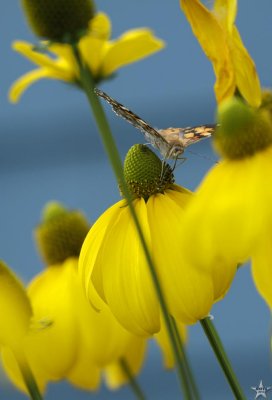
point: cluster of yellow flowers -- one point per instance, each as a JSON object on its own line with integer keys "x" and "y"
{"x": 106, "y": 288}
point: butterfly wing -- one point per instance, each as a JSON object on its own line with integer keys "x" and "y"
{"x": 187, "y": 136}
{"x": 151, "y": 135}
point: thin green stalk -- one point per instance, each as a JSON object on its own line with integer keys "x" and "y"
{"x": 187, "y": 366}
{"x": 113, "y": 155}
{"x": 222, "y": 357}
{"x": 30, "y": 382}
{"x": 139, "y": 394}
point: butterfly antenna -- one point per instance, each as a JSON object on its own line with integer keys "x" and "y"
{"x": 203, "y": 156}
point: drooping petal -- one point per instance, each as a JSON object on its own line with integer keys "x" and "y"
{"x": 23, "y": 83}
{"x": 84, "y": 374}
{"x": 90, "y": 250}
{"x": 130, "y": 47}
{"x": 225, "y": 11}
{"x": 126, "y": 279}
{"x": 52, "y": 293}
{"x": 163, "y": 340}
{"x": 100, "y": 26}
{"x": 13, "y": 371}
{"x": 224, "y": 212}
{"x": 91, "y": 46}
{"x": 247, "y": 79}
{"x": 213, "y": 40}
{"x": 91, "y": 49}
{"x": 133, "y": 357}
{"x": 38, "y": 58}
{"x": 15, "y": 310}
{"x": 262, "y": 267}
{"x": 189, "y": 292}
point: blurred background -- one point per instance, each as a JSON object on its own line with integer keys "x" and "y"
{"x": 50, "y": 150}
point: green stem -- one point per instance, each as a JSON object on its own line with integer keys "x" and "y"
{"x": 222, "y": 358}
{"x": 29, "y": 380}
{"x": 133, "y": 383}
{"x": 113, "y": 155}
{"x": 187, "y": 366}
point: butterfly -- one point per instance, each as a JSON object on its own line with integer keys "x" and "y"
{"x": 171, "y": 142}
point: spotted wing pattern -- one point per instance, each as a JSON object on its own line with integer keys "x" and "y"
{"x": 171, "y": 142}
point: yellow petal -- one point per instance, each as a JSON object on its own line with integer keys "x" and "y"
{"x": 90, "y": 250}
{"x": 125, "y": 272}
{"x": 213, "y": 40}
{"x": 207, "y": 29}
{"x": 26, "y": 49}
{"x": 224, "y": 212}
{"x": 225, "y": 11}
{"x": 15, "y": 309}
{"x": 100, "y": 26}
{"x": 164, "y": 343}
{"x": 11, "y": 368}
{"x": 189, "y": 292}
{"x": 23, "y": 83}
{"x": 52, "y": 294}
{"x": 130, "y": 47}
{"x": 247, "y": 79}
{"x": 91, "y": 46}
{"x": 262, "y": 267}
{"x": 84, "y": 374}
{"x": 91, "y": 49}
{"x": 133, "y": 357}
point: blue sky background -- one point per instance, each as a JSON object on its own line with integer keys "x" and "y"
{"x": 50, "y": 150}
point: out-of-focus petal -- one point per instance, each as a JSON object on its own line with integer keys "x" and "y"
{"x": 15, "y": 309}
{"x": 130, "y": 47}
{"x": 133, "y": 357}
{"x": 247, "y": 79}
{"x": 163, "y": 340}
{"x": 262, "y": 267}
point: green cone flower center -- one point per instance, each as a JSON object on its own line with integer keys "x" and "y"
{"x": 242, "y": 131}
{"x": 145, "y": 173}
{"x": 61, "y": 233}
{"x": 61, "y": 20}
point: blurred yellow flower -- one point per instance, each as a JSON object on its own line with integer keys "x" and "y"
{"x": 232, "y": 207}
{"x": 76, "y": 347}
{"x": 222, "y": 44}
{"x": 102, "y": 55}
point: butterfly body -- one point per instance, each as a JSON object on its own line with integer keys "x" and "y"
{"x": 171, "y": 142}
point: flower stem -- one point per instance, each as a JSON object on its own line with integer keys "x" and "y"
{"x": 88, "y": 86}
{"x": 133, "y": 383}
{"x": 29, "y": 380}
{"x": 222, "y": 358}
{"x": 187, "y": 366}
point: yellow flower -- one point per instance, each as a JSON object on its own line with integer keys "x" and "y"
{"x": 229, "y": 219}
{"x": 112, "y": 262}
{"x": 222, "y": 44}
{"x": 102, "y": 55}
{"x": 76, "y": 346}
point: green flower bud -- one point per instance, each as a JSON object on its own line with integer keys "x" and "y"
{"x": 242, "y": 130}
{"x": 60, "y": 234}
{"x": 145, "y": 173}
{"x": 59, "y": 20}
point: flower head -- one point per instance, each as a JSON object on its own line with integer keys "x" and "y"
{"x": 62, "y": 20}
{"x": 220, "y": 39}
{"x": 112, "y": 262}
{"x": 101, "y": 55}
